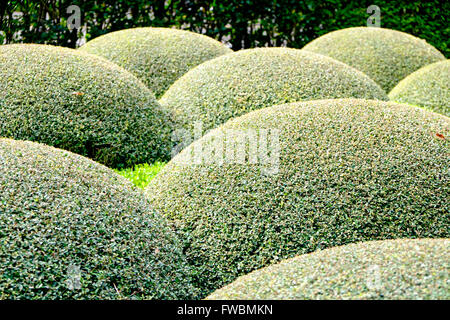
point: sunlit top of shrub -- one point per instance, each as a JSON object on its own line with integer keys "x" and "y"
{"x": 157, "y": 56}
{"x": 234, "y": 84}
{"x": 390, "y": 269}
{"x": 428, "y": 87}
{"x": 385, "y": 55}
{"x": 82, "y": 103}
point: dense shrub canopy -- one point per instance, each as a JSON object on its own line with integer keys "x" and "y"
{"x": 385, "y": 55}
{"x": 80, "y": 102}
{"x": 428, "y": 87}
{"x": 348, "y": 170}
{"x": 157, "y": 56}
{"x": 60, "y": 211}
{"x": 390, "y": 269}
{"x": 237, "y": 83}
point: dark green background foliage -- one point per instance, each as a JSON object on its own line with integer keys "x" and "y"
{"x": 350, "y": 170}
{"x": 59, "y": 209}
{"x": 390, "y": 269}
{"x": 82, "y": 103}
{"x": 244, "y": 23}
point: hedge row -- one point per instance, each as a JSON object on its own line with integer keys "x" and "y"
{"x": 243, "y": 24}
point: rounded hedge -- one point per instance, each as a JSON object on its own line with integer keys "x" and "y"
{"x": 390, "y": 269}
{"x": 157, "y": 56}
{"x": 348, "y": 170}
{"x": 82, "y": 103}
{"x": 71, "y": 228}
{"x": 428, "y": 87}
{"x": 234, "y": 84}
{"x": 385, "y": 55}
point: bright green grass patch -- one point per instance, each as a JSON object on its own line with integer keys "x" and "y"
{"x": 141, "y": 174}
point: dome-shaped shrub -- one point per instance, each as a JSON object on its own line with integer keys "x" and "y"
{"x": 157, "y": 56}
{"x": 71, "y": 228}
{"x": 385, "y": 55}
{"x": 390, "y": 269}
{"x": 336, "y": 172}
{"x": 82, "y": 103}
{"x": 428, "y": 87}
{"x": 234, "y": 84}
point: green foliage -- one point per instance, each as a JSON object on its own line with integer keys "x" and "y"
{"x": 390, "y": 269}
{"x": 60, "y": 211}
{"x": 350, "y": 170}
{"x": 81, "y": 103}
{"x": 428, "y": 87}
{"x": 157, "y": 56}
{"x": 234, "y": 84}
{"x": 242, "y": 23}
{"x": 385, "y": 55}
{"x": 141, "y": 174}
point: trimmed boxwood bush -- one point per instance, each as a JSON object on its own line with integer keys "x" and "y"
{"x": 82, "y": 103}
{"x": 234, "y": 84}
{"x": 390, "y": 269}
{"x": 349, "y": 170}
{"x": 60, "y": 211}
{"x": 428, "y": 87}
{"x": 385, "y": 55}
{"x": 157, "y": 56}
